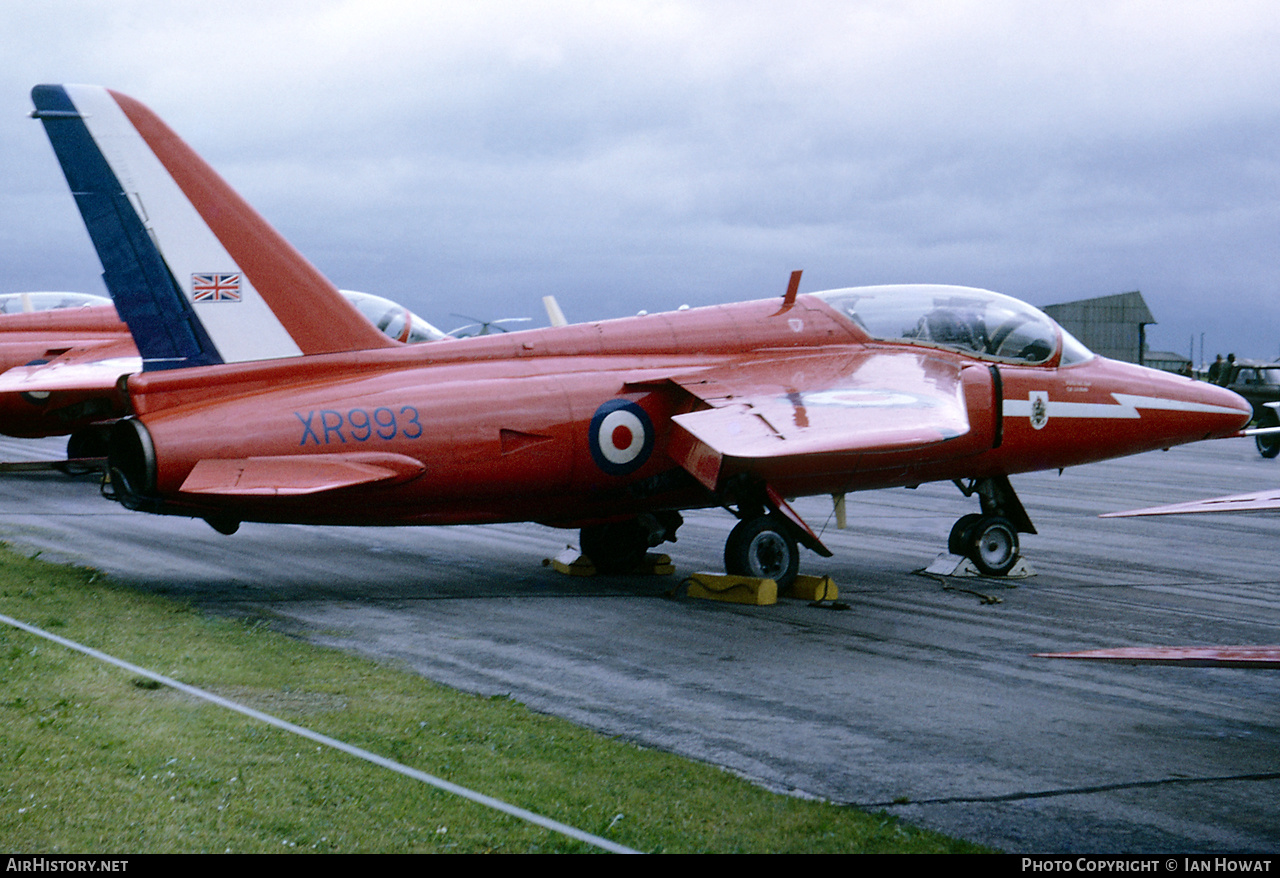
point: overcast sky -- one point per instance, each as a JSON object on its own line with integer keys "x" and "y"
{"x": 472, "y": 157}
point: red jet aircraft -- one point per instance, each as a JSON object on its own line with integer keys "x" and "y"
{"x": 1244, "y": 657}
{"x": 1196, "y": 656}
{"x": 61, "y": 355}
{"x": 52, "y": 331}
{"x": 264, "y": 397}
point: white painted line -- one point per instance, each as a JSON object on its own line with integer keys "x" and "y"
{"x": 439, "y": 783}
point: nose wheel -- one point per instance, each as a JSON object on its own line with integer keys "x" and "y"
{"x": 989, "y": 541}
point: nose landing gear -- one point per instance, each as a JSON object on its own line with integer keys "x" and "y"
{"x": 990, "y": 539}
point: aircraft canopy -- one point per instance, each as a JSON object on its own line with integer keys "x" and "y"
{"x": 393, "y": 319}
{"x": 17, "y": 303}
{"x": 965, "y": 318}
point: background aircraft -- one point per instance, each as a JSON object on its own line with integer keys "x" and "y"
{"x": 1246, "y": 657}
{"x": 1195, "y": 656}
{"x": 37, "y": 329}
{"x": 265, "y": 398}
{"x": 484, "y": 327}
{"x": 1254, "y": 501}
{"x": 61, "y": 355}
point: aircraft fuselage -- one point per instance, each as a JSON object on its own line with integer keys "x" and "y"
{"x": 501, "y": 427}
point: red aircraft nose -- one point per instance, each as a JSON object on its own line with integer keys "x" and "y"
{"x": 1215, "y": 411}
{"x": 1162, "y": 410}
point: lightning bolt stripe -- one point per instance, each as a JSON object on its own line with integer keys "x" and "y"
{"x": 1126, "y": 407}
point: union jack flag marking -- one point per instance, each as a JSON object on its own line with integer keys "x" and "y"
{"x": 215, "y": 287}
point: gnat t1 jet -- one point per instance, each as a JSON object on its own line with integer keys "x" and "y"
{"x": 39, "y": 329}
{"x": 1243, "y": 657}
{"x": 1195, "y": 656}
{"x": 62, "y": 354}
{"x": 1254, "y": 501}
{"x": 264, "y": 396}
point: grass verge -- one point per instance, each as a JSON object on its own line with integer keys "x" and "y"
{"x": 93, "y": 760}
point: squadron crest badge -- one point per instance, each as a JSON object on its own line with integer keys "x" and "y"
{"x": 1039, "y": 409}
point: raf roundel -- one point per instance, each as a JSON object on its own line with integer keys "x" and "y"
{"x": 621, "y": 437}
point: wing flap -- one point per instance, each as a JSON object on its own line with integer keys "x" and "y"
{"x": 296, "y": 475}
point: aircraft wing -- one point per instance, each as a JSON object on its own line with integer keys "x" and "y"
{"x": 776, "y": 415}
{"x": 69, "y": 374}
{"x": 74, "y": 389}
{"x": 1256, "y": 501}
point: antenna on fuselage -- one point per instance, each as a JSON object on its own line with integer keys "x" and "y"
{"x": 554, "y": 314}
{"x": 793, "y": 287}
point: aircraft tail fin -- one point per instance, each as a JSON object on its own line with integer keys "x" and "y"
{"x": 199, "y": 277}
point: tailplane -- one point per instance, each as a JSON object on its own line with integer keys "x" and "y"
{"x": 199, "y": 277}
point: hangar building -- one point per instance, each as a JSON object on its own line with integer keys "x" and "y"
{"x": 1113, "y": 326}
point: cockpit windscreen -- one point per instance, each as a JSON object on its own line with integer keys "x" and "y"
{"x": 964, "y": 318}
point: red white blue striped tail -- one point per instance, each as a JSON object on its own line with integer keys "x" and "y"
{"x": 199, "y": 277}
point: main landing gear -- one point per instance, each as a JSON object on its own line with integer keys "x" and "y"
{"x": 765, "y": 543}
{"x": 990, "y": 539}
{"x": 620, "y": 546}
{"x": 88, "y": 443}
{"x": 763, "y": 547}
{"x": 1268, "y": 446}
{"x": 86, "y": 450}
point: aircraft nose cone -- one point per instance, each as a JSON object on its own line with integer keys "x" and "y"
{"x": 1234, "y": 411}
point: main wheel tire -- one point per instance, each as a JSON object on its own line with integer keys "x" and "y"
{"x": 88, "y": 442}
{"x": 993, "y": 545}
{"x": 958, "y": 542}
{"x": 615, "y": 546}
{"x": 762, "y": 547}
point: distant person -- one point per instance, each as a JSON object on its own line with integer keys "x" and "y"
{"x": 1215, "y": 371}
{"x": 1228, "y": 370}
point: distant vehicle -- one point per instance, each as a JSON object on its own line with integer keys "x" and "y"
{"x": 393, "y": 319}
{"x": 61, "y": 328}
{"x": 1260, "y": 384}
